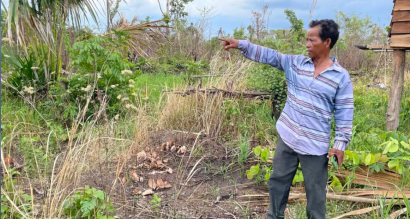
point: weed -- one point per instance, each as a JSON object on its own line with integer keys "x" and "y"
{"x": 156, "y": 202}
{"x": 89, "y": 203}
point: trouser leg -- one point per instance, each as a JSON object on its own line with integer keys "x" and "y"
{"x": 285, "y": 164}
{"x": 314, "y": 169}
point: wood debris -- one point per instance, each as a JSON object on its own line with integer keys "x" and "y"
{"x": 225, "y": 93}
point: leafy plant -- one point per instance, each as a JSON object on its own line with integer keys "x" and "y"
{"x": 89, "y": 203}
{"x": 396, "y": 148}
{"x": 260, "y": 172}
{"x": 17, "y": 196}
{"x": 98, "y": 59}
{"x": 243, "y": 150}
{"x": 156, "y": 201}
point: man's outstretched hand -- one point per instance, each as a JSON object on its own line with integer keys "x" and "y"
{"x": 229, "y": 43}
{"x": 338, "y": 153}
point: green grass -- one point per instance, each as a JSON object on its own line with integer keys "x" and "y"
{"x": 156, "y": 83}
{"x": 370, "y": 115}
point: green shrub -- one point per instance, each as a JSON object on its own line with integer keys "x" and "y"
{"x": 89, "y": 203}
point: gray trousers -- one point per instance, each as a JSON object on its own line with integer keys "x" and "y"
{"x": 314, "y": 169}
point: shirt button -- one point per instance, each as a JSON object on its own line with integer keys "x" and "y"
{"x": 310, "y": 88}
{"x": 303, "y": 116}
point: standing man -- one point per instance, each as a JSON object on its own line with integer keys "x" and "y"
{"x": 318, "y": 88}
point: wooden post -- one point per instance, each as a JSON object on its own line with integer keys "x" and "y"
{"x": 396, "y": 90}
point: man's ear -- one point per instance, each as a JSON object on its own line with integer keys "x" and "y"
{"x": 327, "y": 42}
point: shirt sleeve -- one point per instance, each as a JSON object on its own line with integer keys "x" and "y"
{"x": 265, "y": 55}
{"x": 343, "y": 115}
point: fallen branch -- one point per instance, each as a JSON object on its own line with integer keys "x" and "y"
{"x": 209, "y": 76}
{"x": 225, "y": 93}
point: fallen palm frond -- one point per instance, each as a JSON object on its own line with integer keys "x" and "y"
{"x": 397, "y": 213}
{"x": 362, "y": 176}
{"x": 329, "y": 196}
{"x": 357, "y": 212}
{"x": 379, "y": 192}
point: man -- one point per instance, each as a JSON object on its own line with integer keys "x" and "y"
{"x": 318, "y": 88}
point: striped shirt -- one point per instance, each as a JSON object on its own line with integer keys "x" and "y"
{"x": 304, "y": 123}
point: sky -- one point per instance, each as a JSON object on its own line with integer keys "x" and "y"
{"x": 228, "y": 14}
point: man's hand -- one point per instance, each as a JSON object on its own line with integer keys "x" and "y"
{"x": 229, "y": 43}
{"x": 339, "y": 154}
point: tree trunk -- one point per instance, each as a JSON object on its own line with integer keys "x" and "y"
{"x": 396, "y": 90}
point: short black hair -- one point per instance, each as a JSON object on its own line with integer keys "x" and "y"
{"x": 328, "y": 29}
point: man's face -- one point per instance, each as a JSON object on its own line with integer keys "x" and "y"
{"x": 314, "y": 44}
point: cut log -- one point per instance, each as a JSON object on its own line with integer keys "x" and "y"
{"x": 396, "y": 90}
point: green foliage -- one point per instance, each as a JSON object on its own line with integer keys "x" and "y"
{"x": 36, "y": 157}
{"x": 102, "y": 59}
{"x": 397, "y": 149}
{"x": 243, "y": 150}
{"x": 25, "y": 71}
{"x": 89, "y": 203}
{"x": 17, "y": 196}
{"x": 156, "y": 202}
{"x": 239, "y": 33}
{"x": 261, "y": 171}
{"x": 297, "y": 25}
{"x": 177, "y": 9}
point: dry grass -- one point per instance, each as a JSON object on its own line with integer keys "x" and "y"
{"x": 200, "y": 112}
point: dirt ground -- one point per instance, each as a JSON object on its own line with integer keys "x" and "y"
{"x": 206, "y": 181}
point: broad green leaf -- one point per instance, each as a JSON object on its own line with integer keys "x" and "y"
{"x": 249, "y": 175}
{"x": 257, "y": 151}
{"x": 395, "y": 136}
{"x": 267, "y": 176}
{"x": 392, "y": 163}
{"x": 349, "y": 155}
{"x": 99, "y": 194}
{"x": 254, "y": 169}
{"x": 377, "y": 157}
{"x": 393, "y": 148}
{"x": 336, "y": 184}
{"x": 386, "y": 149}
{"x": 265, "y": 154}
{"x": 369, "y": 159}
{"x": 384, "y": 159}
{"x": 399, "y": 168}
{"x": 405, "y": 145}
{"x": 356, "y": 159}
{"x": 403, "y": 158}
{"x": 404, "y": 138}
{"x": 334, "y": 163}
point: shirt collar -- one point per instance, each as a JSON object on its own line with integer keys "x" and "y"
{"x": 336, "y": 66}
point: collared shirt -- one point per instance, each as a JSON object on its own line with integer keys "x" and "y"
{"x": 304, "y": 123}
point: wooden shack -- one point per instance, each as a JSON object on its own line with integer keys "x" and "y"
{"x": 400, "y": 24}
{"x": 399, "y": 42}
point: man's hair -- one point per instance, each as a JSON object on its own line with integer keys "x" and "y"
{"x": 328, "y": 29}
